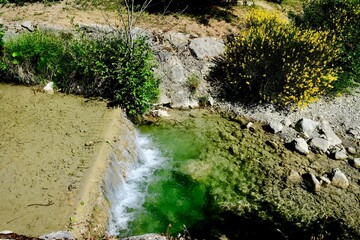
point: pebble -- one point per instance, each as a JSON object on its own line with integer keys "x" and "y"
{"x": 301, "y": 146}
{"x": 339, "y": 179}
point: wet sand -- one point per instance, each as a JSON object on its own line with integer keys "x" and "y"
{"x": 48, "y": 145}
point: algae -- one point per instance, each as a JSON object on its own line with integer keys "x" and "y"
{"x": 245, "y": 170}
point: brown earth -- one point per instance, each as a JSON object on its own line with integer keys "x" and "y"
{"x": 49, "y": 147}
{"x": 70, "y": 12}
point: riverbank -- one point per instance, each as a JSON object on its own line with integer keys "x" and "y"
{"x": 54, "y": 151}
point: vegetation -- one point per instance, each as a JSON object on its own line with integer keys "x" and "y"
{"x": 25, "y": 1}
{"x": 342, "y": 19}
{"x": 105, "y": 66}
{"x": 273, "y": 61}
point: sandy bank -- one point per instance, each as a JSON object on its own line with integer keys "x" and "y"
{"x": 53, "y": 151}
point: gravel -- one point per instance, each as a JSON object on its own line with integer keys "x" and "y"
{"x": 343, "y": 114}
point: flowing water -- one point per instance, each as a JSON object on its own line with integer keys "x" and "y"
{"x": 219, "y": 179}
{"x": 154, "y": 192}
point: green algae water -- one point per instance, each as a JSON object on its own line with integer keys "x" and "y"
{"x": 223, "y": 180}
{"x": 172, "y": 196}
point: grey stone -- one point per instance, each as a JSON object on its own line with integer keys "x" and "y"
{"x": 339, "y": 179}
{"x": 176, "y": 39}
{"x": 9, "y": 34}
{"x": 311, "y": 182}
{"x": 249, "y": 125}
{"x": 6, "y": 232}
{"x": 61, "y": 235}
{"x": 276, "y": 127}
{"x": 356, "y": 163}
{"x": 150, "y": 236}
{"x": 28, "y": 25}
{"x": 49, "y": 88}
{"x": 351, "y": 150}
{"x": 294, "y": 176}
{"x": 329, "y": 133}
{"x": 340, "y": 154}
{"x": 206, "y": 47}
{"x": 353, "y": 132}
{"x": 159, "y": 113}
{"x": 301, "y": 146}
{"x": 324, "y": 181}
{"x": 320, "y": 144}
{"x": 306, "y": 126}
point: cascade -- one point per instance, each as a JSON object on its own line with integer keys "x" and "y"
{"x": 128, "y": 176}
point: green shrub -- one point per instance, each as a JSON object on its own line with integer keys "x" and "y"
{"x": 104, "y": 66}
{"x": 108, "y": 67}
{"x": 278, "y": 63}
{"x": 3, "y": 66}
{"x": 342, "y": 18}
{"x": 36, "y": 57}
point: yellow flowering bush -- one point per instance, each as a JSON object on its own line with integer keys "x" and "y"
{"x": 342, "y": 17}
{"x": 273, "y": 61}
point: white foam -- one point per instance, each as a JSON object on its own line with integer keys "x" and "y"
{"x": 127, "y": 191}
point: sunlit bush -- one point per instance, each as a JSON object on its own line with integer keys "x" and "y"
{"x": 105, "y": 66}
{"x": 342, "y": 17}
{"x": 275, "y": 62}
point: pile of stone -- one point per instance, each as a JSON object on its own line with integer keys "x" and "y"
{"x": 319, "y": 138}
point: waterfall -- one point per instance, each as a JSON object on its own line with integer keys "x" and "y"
{"x": 129, "y": 173}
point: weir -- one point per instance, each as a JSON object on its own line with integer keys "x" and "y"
{"x": 128, "y": 176}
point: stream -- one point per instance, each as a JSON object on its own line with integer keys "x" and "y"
{"x": 221, "y": 180}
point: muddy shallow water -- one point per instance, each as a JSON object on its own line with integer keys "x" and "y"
{"x": 47, "y": 144}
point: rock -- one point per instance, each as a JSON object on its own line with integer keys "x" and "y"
{"x": 276, "y": 127}
{"x": 89, "y": 144}
{"x": 176, "y": 39}
{"x": 159, "y": 113}
{"x": 329, "y": 133}
{"x": 306, "y": 126}
{"x": 325, "y": 181}
{"x": 341, "y": 154}
{"x": 49, "y": 88}
{"x": 339, "y": 179}
{"x": 320, "y": 144}
{"x": 61, "y": 235}
{"x": 351, "y": 150}
{"x": 28, "y": 25}
{"x": 311, "y": 182}
{"x": 206, "y": 47}
{"x": 353, "y": 132}
{"x": 294, "y": 177}
{"x": 301, "y": 146}
{"x": 249, "y": 125}
{"x": 150, "y": 236}
{"x": 286, "y": 122}
{"x": 9, "y": 34}
{"x": 6, "y": 232}
{"x": 356, "y": 163}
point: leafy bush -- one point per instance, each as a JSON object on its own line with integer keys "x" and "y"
{"x": 36, "y": 57}
{"x": 276, "y": 62}
{"x": 342, "y": 17}
{"x": 105, "y": 66}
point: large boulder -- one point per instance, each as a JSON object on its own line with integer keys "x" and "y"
{"x": 206, "y": 47}
{"x": 307, "y": 127}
